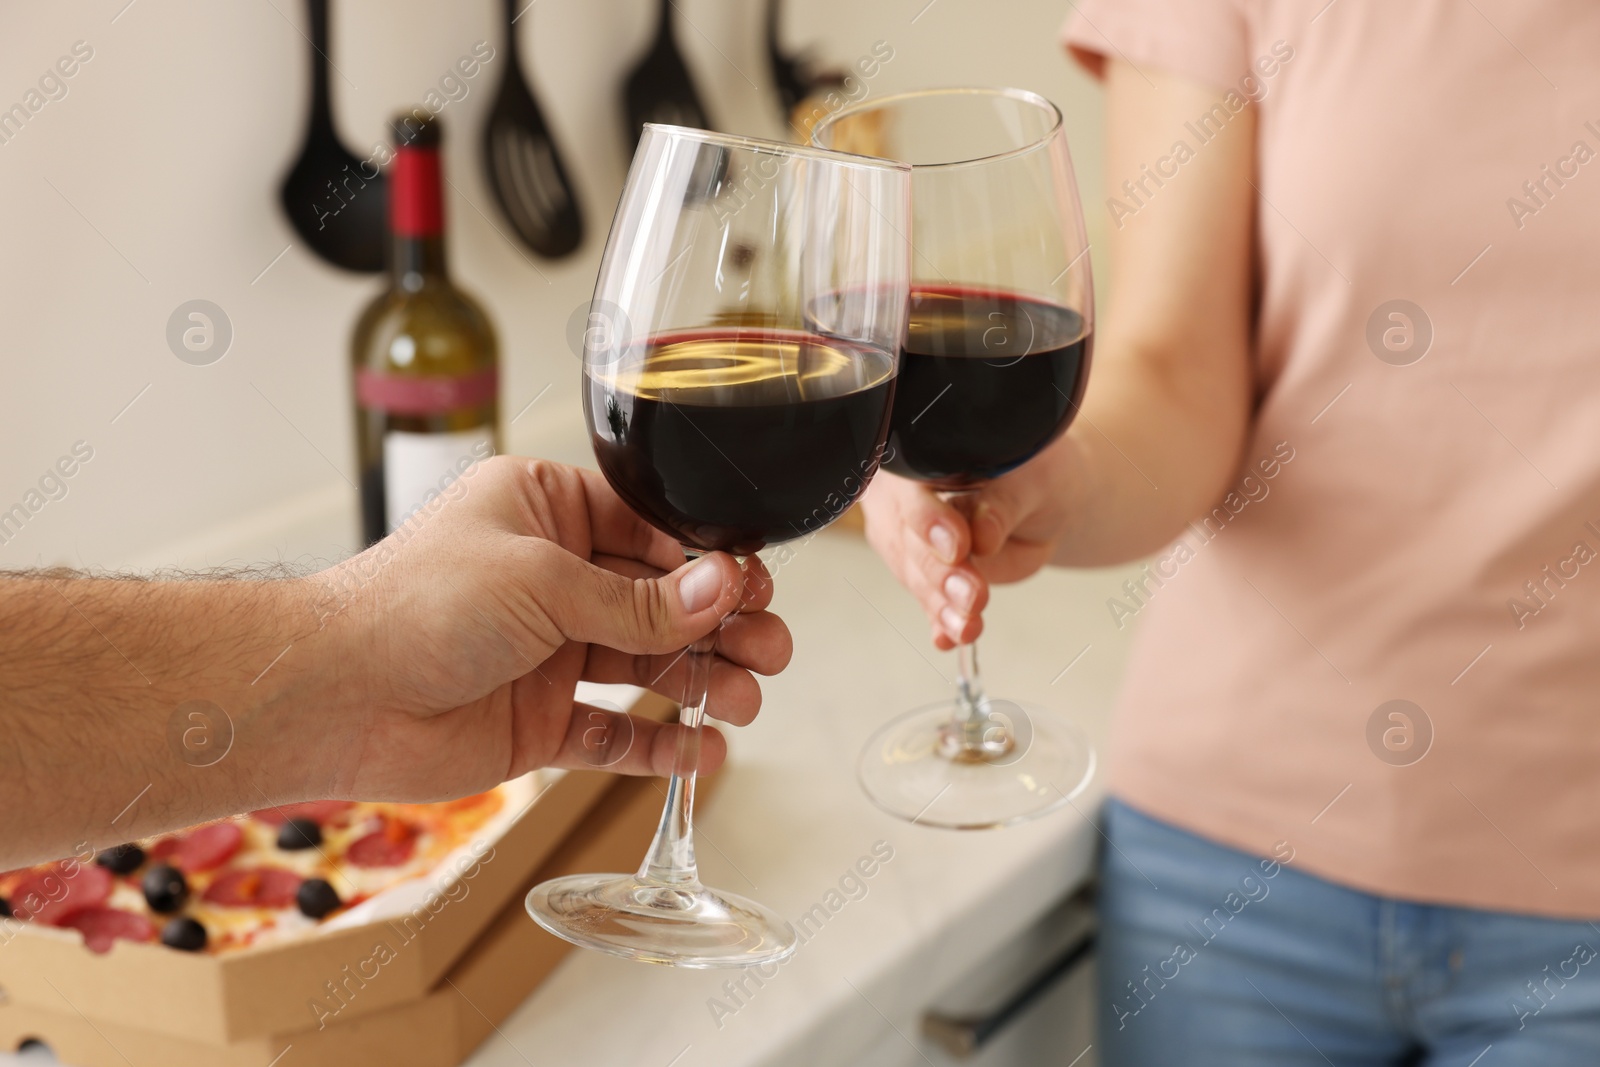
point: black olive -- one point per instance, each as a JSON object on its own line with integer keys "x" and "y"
{"x": 297, "y": 834}
{"x": 165, "y": 889}
{"x": 185, "y": 934}
{"x": 5, "y": 908}
{"x": 121, "y": 859}
{"x": 316, "y": 898}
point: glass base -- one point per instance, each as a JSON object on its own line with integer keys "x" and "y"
{"x": 688, "y": 926}
{"x": 917, "y": 768}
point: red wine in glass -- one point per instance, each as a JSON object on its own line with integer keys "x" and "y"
{"x": 993, "y": 368}
{"x": 733, "y": 440}
{"x": 987, "y": 380}
{"x": 739, "y": 366}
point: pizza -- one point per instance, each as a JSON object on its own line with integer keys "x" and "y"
{"x": 251, "y": 879}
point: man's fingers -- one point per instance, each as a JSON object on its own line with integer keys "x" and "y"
{"x": 627, "y": 566}
{"x": 616, "y": 530}
{"x": 758, "y": 585}
{"x": 759, "y": 643}
{"x": 713, "y": 750}
{"x": 592, "y": 604}
{"x": 626, "y": 744}
{"x": 733, "y": 694}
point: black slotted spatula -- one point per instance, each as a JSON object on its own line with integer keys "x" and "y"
{"x": 523, "y": 166}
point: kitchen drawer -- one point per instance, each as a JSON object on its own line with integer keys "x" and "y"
{"x": 1030, "y": 1003}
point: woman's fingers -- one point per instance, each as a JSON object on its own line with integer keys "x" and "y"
{"x": 947, "y": 633}
{"x": 1014, "y": 561}
{"x": 961, "y": 600}
{"x": 925, "y": 541}
{"x": 916, "y": 512}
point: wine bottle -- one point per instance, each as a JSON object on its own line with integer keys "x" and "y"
{"x": 425, "y": 355}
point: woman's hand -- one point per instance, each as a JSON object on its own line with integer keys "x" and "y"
{"x": 947, "y": 553}
{"x": 1163, "y": 425}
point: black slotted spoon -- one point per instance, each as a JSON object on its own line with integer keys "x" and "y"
{"x": 336, "y": 202}
{"x": 660, "y": 89}
{"x": 523, "y": 166}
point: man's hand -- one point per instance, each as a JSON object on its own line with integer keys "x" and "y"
{"x": 439, "y": 662}
{"x": 481, "y": 616}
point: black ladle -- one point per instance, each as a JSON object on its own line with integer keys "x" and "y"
{"x": 335, "y": 201}
{"x": 660, "y": 89}
{"x": 522, "y": 163}
{"x": 788, "y": 72}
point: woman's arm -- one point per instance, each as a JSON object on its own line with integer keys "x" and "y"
{"x": 1168, "y": 404}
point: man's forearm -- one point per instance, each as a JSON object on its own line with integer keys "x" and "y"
{"x": 129, "y": 707}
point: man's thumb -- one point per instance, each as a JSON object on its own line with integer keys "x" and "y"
{"x": 650, "y": 614}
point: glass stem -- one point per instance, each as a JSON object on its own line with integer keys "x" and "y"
{"x": 670, "y": 862}
{"x": 972, "y": 732}
{"x": 972, "y": 711}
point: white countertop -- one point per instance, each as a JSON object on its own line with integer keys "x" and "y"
{"x": 789, "y": 820}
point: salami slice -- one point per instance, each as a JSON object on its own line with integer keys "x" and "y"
{"x": 53, "y": 895}
{"x": 320, "y": 812}
{"x": 163, "y": 850}
{"x": 390, "y": 845}
{"x": 101, "y": 926}
{"x": 208, "y": 848}
{"x": 258, "y": 887}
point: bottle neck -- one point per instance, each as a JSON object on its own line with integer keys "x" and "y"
{"x": 415, "y": 260}
{"x": 416, "y": 217}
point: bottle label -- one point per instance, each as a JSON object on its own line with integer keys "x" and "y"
{"x": 418, "y": 467}
{"x": 412, "y": 395}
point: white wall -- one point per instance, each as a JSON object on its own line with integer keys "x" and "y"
{"x": 154, "y": 181}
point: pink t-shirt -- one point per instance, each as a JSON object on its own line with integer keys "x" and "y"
{"x": 1383, "y": 647}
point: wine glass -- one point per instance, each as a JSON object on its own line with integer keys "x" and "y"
{"x": 738, "y": 375}
{"x": 993, "y": 370}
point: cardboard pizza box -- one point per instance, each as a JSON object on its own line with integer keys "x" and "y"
{"x": 486, "y": 984}
{"x": 335, "y": 977}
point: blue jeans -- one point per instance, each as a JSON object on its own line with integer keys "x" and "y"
{"x": 1209, "y": 956}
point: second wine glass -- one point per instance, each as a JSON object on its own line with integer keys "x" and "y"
{"x": 994, "y": 365}
{"x": 738, "y": 374}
